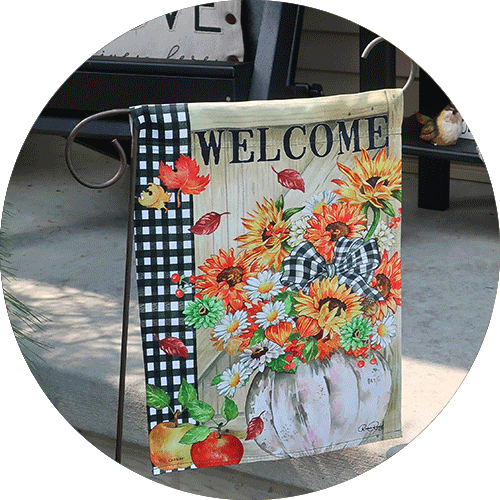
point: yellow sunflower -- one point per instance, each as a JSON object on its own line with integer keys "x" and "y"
{"x": 387, "y": 281}
{"x": 333, "y": 222}
{"x": 266, "y": 232}
{"x": 371, "y": 180}
{"x": 326, "y": 308}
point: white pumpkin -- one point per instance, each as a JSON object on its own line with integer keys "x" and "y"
{"x": 322, "y": 407}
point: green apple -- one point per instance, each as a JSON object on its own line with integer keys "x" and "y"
{"x": 166, "y": 451}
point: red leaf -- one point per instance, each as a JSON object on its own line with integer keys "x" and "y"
{"x": 208, "y": 223}
{"x": 173, "y": 346}
{"x": 255, "y": 427}
{"x": 290, "y": 179}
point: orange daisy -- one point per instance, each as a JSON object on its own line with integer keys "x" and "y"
{"x": 246, "y": 336}
{"x": 327, "y": 346}
{"x": 333, "y": 222}
{"x": 387, "y": 281}
{"x": 225, "y": 277}
{"x": 266, "y": 232}
{"x": 232, "y": 346}
{"x": 371, "y": 180}
{"x": 327, "y": 307}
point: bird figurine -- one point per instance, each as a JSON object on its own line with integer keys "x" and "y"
{"x": 444, "y": 129}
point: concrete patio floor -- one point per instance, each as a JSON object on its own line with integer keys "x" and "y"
{"x": 67, "y": 244}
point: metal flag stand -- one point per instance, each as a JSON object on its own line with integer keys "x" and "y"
{"x": 129, "y": 247}
{"x": 130, "y": 227}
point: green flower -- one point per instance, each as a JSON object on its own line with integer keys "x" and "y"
{"x": 355, "y": 333}
{"x": 204, "y": 312}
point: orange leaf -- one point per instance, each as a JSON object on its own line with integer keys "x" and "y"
{"x": 185, "y": 176}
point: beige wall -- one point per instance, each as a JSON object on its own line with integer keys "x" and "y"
{"x": 329, "y": 55}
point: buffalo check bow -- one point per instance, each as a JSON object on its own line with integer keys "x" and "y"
{"x": 354, "y": 264}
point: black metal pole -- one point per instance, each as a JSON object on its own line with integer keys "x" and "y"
{"x": 433, "y": 173}
{"x": 379, "y": 70}
{"x": 126, "y": 299}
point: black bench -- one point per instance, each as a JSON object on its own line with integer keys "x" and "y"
{"x": 271, "y": 37}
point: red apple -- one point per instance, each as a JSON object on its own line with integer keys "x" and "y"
{"x": 166, "y": 451}
{"x": 217, "y": 449}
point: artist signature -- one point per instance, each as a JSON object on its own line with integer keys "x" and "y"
{"x": 372, "y": 426}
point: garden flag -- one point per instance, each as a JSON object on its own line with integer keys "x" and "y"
{"x": 267, "y": 239}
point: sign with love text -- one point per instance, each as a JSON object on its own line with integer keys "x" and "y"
{"x": 208, "y": 32}
{"x": 267, "y": 242}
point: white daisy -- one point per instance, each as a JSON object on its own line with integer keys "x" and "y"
{"x": 232, "y": 378}
{"x": 383, "y": 235}
{"x": 315, "y": 204}
{"x": 231, "y": 325}
{"x": 383, "y": 331}
{"x": 257, "y": 356}
{"x": 263, "y": 286}
{"x": 272, "y": 313}
{"x": 297, "y": 230}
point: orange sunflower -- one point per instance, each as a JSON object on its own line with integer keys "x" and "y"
{"x": 326, "y": 308}
{"x": 266, "y": 232}
{"x": 225, "y": 277}
{"x": 333, "y": 222}
{"x": 371, "y": 180}
{"x": 387, "y": 281}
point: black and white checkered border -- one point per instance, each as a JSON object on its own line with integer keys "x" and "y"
{"x": 163, "y": 246}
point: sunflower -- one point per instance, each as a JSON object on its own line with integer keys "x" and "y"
{"x": 267, "y": 231}
{"x": 326, "y": 307}
{"x": 224, "y": 278}
{"x": 372, "y": 181}
{"x": 387, "y": 281}
{"x": 333, "y": 222}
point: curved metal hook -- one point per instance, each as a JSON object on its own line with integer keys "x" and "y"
{"x": 116, "y": 144}
{"x": 413, "y": 70}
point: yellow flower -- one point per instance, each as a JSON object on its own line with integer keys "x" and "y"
{"x": 266, "y": 232}
{"x": 371, "y": 180}
{"x": 328, "y": 306}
